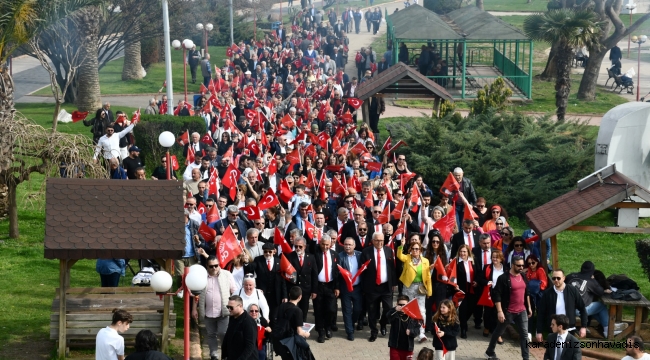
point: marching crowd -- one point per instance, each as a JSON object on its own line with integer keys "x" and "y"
{"x": 288, "y": 201}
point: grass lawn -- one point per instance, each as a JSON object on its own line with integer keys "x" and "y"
{"x": 515, "y": 5}
{"x": 110, "y": 76}
{"x": 41, "y": 113}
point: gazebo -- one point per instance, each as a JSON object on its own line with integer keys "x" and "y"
{"x": 93, "y": 219}
{"x": 494, "y": 48}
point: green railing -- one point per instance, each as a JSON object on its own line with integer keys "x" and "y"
{"x": 480, "y": 55}
{"x": 512, "y": 72}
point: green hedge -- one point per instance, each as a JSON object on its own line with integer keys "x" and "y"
{"x": 150, "y": 127}
{"x": 643, "y": 250}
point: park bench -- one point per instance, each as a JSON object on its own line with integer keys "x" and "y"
{"x": 90, "y": 309}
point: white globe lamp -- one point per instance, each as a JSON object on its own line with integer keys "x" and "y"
{"x": 161, "y": 281}
{"x": 176, "y": 44}
{"x": 166, "y": 139}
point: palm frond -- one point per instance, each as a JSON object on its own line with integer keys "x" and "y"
{"x": 573, "y": 27}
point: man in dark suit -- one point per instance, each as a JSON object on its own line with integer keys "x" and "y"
{"x": 562, "y": 345}
{"x": 571, "y": 302}
{"x": 351, "y": 229}
{"x": 342, "y": 218}
{"x": 467, "y": 190}
{"x": 378, "y": 282}
{"x": 423, "y": 212}
{"x": 351, "y": 302}
{"x": 305, "y": 266}
{"x": 482, "y": 258}
{"x": 269, "y": 278}
{"x": 232, "y": 220}
{"x": 319, "y": 230}
{"x": 282, "y": 34}
{"x": 382, "y": 200}
{"x": 196, "y": 144}
{"x": 468, "y": 236}
{"x": 327, "y": 288}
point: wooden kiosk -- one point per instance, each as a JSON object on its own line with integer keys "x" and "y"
{"x": 91, "y": 219}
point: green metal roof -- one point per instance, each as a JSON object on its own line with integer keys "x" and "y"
{"x": 418, "y": 23}
{"x": 481, "y": 25}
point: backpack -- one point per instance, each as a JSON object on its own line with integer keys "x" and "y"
{"x": 627, "y": 295}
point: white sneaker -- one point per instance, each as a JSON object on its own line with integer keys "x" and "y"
{"x": 530, "y": 337}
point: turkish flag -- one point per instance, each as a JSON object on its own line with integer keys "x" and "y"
{"x": 175, "y": 165}
{"x": 288, "y": 271}
{"x": 399, "y": 209}
{"x": 311, "y": 181}
{"x": 354, "y": 103}
{"x": 309, "y": 229}
{"x": 412, "y": 309}
{"x": 336, "y": 144}
{"x": 249, "y": 91}
{"x": 190, "y": 155}
{"x": 213, "y": 182}
{"x": 78, "y": 115}
{"x": 374, "y": 166}
{"x": 323, "y": 137}
{"x": 415, "y": 198}
{"x": 293, "y": 158}
{"x": 310, "y": 151}
{"x": 342, "y": 150}
{"x": 214, "y": 101}
{"x": 301, "y": 88}
{"x": 230, "y": 179}
{"x": 337, "y": 187}
{"x": 184, "y": 138}
{"x": 229, "y": 153}
{"x": 250, "y": 114}
{"x": 446, "y": 224}
{"x": 347, "y": 277}
{"x": 285, "y": 191}
{"x": 207, "y": 139}
{"x": 401, "y": 230}
{"x": 355, "y": 184}
{"x": 254, "y": 148}
{"x": 451, "y": 272}
{"x": 272, "y": 168}
{"x": 136, "y": 117}
{"x": 201, "y": 209}
{"x": 437, "y": 330}
{"x": 458, "y": 298}
{"x": 287, "y": 121}
{"x": 367, "y": 202}
{"x": 347, "y": 118}
{"x": 441, "y": 273}
{"x": 469, "y": 213}
{"x": 203, "y": 89}
{"x": 269, "y": 200}
{"x": 399, "y": 144}
{"x": 212, "y": 215}
{"x": 229, "y": 52}
{"x": 278, "y": 239}
{"x": 450, "y": 185}
{"x": 252, "y": 212}
{"x": 208, "y": 233}
{"x": 322, "y": 111}
{"x": 387, "y": 144}
{"x": 228, "y": 247}
{"x": 384, "y": 216}
{"x": 207, "y": 108}
{"x": 486, "y": 297}
{"x": 360, "y": 271}
{"x": 359, "y": 149}
{"x": 163, "y": 108}
{"x": 404, "y": 178}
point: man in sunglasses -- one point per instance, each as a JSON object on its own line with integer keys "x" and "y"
{"x": 327, "y": 288}
{"x": 240, "y": 340}
{"x": 212, "y": 308}
{"x": 512, "y": 302}
{"x": 269, "y": 278}
{"x": 560, "y": 299}
{"x": 307, "y": 275}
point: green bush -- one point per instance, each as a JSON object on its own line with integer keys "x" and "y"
{"x": 516, "y": 160}
{"x": 643, "y": 250}
{"x": 492, "y": 97}
{"x": 150, "y": 51}
{"x": 150, "y": 127}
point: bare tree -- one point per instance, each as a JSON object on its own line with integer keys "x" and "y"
{"x": 608, "y": 11}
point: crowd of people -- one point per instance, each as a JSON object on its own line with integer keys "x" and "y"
{"x": 321, "y": 210}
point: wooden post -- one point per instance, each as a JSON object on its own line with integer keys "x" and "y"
{"x": 543, "y": 259}
{"x": 63, "y": 281}
{"x": 164, "y": 342}
{"x": 365, "y": 111}
{"x": 554, "y": 252}
{"x": 436, "y": 107}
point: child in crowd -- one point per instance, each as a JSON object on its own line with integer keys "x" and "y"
{"x": 447, "y": 327}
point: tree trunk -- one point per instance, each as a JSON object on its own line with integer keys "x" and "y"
{"x": 55, "y": 118}
{"x": 587, "y": 90}
{"x": 88, "y": 94}
{"x": 14, "y": 232}
{"x": 4, "y": 201}
{"x": 7, "y": 111}
{"x": 563, "y": 80}
{"x": 551, "y": 65}
{"x": 479, "y": 4}
{"x": 132, "y": 69}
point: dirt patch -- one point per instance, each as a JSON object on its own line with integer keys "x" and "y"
{"x": 28, "y": 349}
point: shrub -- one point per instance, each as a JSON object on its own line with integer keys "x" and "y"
{"x": 643, "y": 250}
{"x": 150, "y": 51}
{"x": 150, "y": 127}
{"x": 493, "y": 97}
{"x": 516, "y": 160}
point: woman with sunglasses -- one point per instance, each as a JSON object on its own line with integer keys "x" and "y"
{"x": 466, "y": 283}
{"x": 537, "y": 279}
{"x": 225, "y": 144}
{"x": 496, "y": 211}
{"x": 488, "y": 277}
{"x": 263, "y": 328}
{"x": 481, "y": 211}
{"x": 435, "y": 250}
{"x": 416, "y": 276}
{"x": 517, "y": 247}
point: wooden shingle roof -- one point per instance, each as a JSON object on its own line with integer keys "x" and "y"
{"x": 92, "y": 218}
{"x": 401, "y": 79}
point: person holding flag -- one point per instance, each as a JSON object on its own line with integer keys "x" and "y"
{"x": 487, "y": 279}
{"x": 466, "y": 284}
{"x": 446, "y": 328}
{"x": 437, "y": 254}
{"x": 416, "y": 277}
{"x": 403, "y": 330}
{"x": 351, "y": 301}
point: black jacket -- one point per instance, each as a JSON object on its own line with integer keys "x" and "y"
{"x": 335, "y": 269}
{"x": 368, "y": 280}
{"x": 449, "y": 339}
{"x": 397, "y": 338}
{"x": 307, "y": 273}
{"x": 501, "y": 292}
{"x": 569, "y": 352}
{"x": 270, "y": 281}
{"x": 240, "y": 341}
{"x": 468, "y": 191}
{"x": 459, "y": 239}
{"x": 572, "y": 302}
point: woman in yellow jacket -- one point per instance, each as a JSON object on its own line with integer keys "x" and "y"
{"x": 416, "y": 277}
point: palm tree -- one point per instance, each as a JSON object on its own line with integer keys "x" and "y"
{"x": 567, "y": 29}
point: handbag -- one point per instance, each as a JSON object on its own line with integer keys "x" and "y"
{"x": 422, "y": 290}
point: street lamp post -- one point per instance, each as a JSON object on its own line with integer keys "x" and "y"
{"x": 638, "y": 40}
{"x": 186, "y": 45}
{"x": 168, "y": 59}
{"x": 166, "y": 140}
{"x": 195, "y": 279}
{"x": 207, "y": 28}
{"x": 630, "y": 9}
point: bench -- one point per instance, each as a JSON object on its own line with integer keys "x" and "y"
{"x": 90, "y": 309}
{"x": 616, "y": 315}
